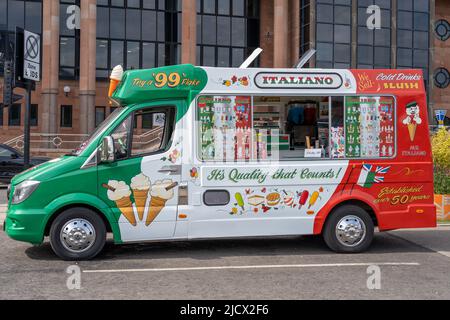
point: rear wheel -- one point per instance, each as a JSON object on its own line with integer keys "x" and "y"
{"x": 349, "y": 229}
{"x": 78, "y": 234}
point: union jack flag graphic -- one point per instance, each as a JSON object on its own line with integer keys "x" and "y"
{"x": 371, "y": 174}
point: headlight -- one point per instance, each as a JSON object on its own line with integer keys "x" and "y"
{"x": 23, "y": 190}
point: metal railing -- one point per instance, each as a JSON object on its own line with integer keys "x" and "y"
{"x": 52, "y": 144}
{"x": 56, "y": 144}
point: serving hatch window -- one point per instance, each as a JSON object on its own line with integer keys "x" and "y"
{"x": 268, "y": 128}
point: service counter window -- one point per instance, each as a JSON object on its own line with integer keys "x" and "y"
{"x": 288, "y": 128}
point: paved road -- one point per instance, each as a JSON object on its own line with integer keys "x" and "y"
{"x": 414, "y": 265}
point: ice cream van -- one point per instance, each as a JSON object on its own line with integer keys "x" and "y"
{"x": 199, "y": 153}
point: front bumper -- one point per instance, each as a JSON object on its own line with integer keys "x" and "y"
{"x": 25, "y": 225}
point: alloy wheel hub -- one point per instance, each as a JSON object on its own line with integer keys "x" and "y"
{"x": 350, "y": 231}
{"x": 77, "y": 235}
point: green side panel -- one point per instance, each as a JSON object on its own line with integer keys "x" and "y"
{"x": 170, "y": 82}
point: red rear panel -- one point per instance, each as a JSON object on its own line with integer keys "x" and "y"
{"x": 398, "y": 189}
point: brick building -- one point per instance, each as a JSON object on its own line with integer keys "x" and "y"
{"x": 84, "y": 39}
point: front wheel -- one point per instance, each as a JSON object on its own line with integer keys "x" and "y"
{"x": 78, "y": 234}
{"x": 349, "y": 229}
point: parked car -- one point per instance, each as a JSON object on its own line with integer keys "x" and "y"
{"x": 11, "y": 162}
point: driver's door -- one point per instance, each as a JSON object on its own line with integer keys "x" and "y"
{"x": 138, "y": 186}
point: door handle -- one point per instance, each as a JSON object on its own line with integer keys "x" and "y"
{"x": 171, "y": 170}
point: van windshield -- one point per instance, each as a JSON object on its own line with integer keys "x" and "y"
{"x": 110, "y": 119}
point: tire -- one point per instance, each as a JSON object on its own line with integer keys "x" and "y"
{"x": 91, "y": 235}
{"x": 349, "y": 242}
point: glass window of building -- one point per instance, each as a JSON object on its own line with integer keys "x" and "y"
{"x": 305, "y": 28}
{"x": 1, "y": 114}
{"x": 99, "y": 115}
{"x": 413, "y": 37}
{"x": 69, "y": 40}
{"x": 374, "y": 44}
{"x": 333, "y": 33}
{"x": 227, "y": 31}
{"x": 66, "y": 116}
{"x": 137, "y": 34}
{"x": 14, "y": 114}
{"x": 19, "y": 13}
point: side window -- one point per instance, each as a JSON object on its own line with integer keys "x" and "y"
{"x": 5, "y": 153}
{"x": 153, "y": 128}
{"x": 121, "y": 138}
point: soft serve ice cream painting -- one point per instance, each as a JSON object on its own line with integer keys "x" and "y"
{"x": 139, "y": 203}
{"x": 119, "y": 192}
{"x": 140, "y": 185}
{"x": 162, "y": 191}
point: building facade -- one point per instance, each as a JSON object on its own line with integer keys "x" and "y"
{"x": 82, "y": 40}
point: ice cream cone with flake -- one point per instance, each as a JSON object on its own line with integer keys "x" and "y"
{"x": 119, "y": 192}
{"x": 115, "y": 78}
{"x": 140, "y": 185}
{"x": 161, "y": 192}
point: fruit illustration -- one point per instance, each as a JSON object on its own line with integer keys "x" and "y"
{"x": 174, "y": 156}
{"x": 244, "y": 81}
{"x": 194, "y": 173}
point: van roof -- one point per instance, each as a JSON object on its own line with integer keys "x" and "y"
{"x": 187, "y": 81}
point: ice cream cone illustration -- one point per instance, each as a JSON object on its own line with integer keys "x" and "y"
{"x": 412, "y": 119}
{"x": 140, "y": 185}
{"x": 412, "y": 127}
{"x": 119, "y": 192}
{"x": 115, "y": 78}
{"x": 161, "y": 192}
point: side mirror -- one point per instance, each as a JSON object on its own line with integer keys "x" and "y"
{"x": 14, "y": 156}
{"x": 107, "y": 152}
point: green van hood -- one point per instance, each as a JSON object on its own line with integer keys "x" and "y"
{"x": 49, "y": 169}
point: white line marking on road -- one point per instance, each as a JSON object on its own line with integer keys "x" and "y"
{"x": 331, "y": 265}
